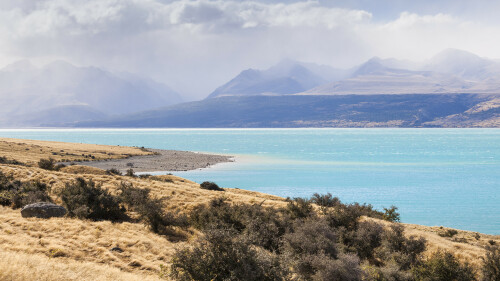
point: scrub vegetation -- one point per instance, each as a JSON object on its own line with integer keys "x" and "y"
{"x": 165, "y": 227}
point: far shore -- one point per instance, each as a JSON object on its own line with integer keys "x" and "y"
{"x": 163, "y": 160}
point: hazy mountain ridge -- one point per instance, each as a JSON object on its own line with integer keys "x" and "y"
{"x": 407, "y": 110}
{"x": 287, "y": 77}
{"x": 450, "y": 71}
{"x": 27, "y": 91}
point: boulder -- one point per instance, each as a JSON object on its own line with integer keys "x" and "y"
{"x": 43, "y": 210}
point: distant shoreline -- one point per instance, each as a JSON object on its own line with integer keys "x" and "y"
{"x": 163, "y": 160}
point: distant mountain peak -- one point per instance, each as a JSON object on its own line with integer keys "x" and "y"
{"x": 286, "y": 77}
{"x": 454, "y": 54}
{"x": 372, "y": 66}
{"x": 463, "y": 64}
{"x": 20, "y": 65}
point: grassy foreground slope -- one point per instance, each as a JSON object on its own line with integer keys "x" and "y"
{"x": 74, "y": 249}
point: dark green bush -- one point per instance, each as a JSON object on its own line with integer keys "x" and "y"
{"x": 4, "y": 160}
{"x": 299, "y": 208}
{"x": 220, "y": 255}
{"x": 448, "y": 233}
{"x": 345, "y": 268}
{"x": 150, "y": 209}
{"x": 364, "y": 241}
{"x": 391, "y": 214}
{"x": 443, "y": 266}
{"x": 312, "y": 252}
{"x": 325, "y": 200}
{"x": 260, "y": 226}
{"x": 208, "y": 185}
{"x": 491, "y": 264}
{"x": 396, "y": 247}
{"x": 85, "y": 199}
{"x": 47, "y": 164}
{"x": 130, "y": 173}
{"x": 17, "y": 194}
{"x": 113, "y": 171}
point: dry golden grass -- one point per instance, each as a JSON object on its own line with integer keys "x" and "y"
{"x": 463, "y": 245}
{"x": 73, "y": 240}
{"x": 16, "y": 266}
{"x": 72, "y": 249}
{"x": 31, "y": 151}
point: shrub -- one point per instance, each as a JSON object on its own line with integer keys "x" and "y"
{"x": 391, "y": 214}
{"x": 345, "y": 268}
{"x": 4, "y": 160}
{"x": 299, "y": 208}
{"x": 130, "y": 173}
{"x": 366, "y": 238}
{"x": 260, "y": 226}
{"x": 346, "y": 216}
{"x": 18, "y": 194}
{"x": 220, "y": 255}
{"x": 443, "y": 266}
{"x": 491, "y": 264}
{"x": 208, "y": 185}
{"x": 85, "y": 199}
{"x": 113, "y": 171}
{"x": 405, "y": 252}
{"x": 47, "y": 164}
{"x": 448, "y": 233}
{"x": 150, "y": 209}
{"x": 325, "y": 200}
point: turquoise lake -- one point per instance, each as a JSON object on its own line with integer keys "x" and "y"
{"x": 448, "y": 177}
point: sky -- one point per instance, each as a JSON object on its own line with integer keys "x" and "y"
{"x": 196, "y": 45}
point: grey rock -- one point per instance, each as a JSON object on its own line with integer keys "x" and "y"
{"x": 43, "y": 210}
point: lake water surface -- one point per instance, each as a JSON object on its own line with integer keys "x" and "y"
{"x": 448, "y": 177}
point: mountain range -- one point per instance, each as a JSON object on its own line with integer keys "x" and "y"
{"x": 453, "y": 89}
{"x": 62, "y": 92}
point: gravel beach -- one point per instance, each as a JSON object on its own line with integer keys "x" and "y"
{"x": 164, "y": 160}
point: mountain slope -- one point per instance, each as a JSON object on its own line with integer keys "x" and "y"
{"x": 373, "y": 77}
{"x": 25, "y": 89}
{"x": 287, "y": 77}
{"x": 463, "y": 64}
{"x": 306, "y": 111}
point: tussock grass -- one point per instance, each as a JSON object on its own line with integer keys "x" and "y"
{"x": 463, "y": 245}
{"x": 73, "y": 249}
{"x": 17, "y": 266}
{"x": 31, "y": 151}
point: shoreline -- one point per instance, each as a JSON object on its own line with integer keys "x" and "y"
{"x": 162, "y": 160}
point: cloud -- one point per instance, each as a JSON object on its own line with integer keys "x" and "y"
{"x": 196, "y": 45}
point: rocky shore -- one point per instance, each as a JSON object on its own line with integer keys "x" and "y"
{"x": 163, "y": 160}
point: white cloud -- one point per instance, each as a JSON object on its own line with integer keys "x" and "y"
{"x": 195, "y": 45}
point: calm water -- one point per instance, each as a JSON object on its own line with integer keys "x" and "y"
{"x": 448, "y": 177}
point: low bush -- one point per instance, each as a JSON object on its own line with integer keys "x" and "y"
{"x": 130, "y": 173}
{"x": 208, "y": 185}
{"x": 406, "y": 252}
{"x": 84, "y": 199}
{"x": 17, "y": 194}
{"x": 4, "y": 160}
{"x": 150, "y": 209}
{"x": 299, "y": 208}
{"x": 391, "y": 214}
{"x": 325, "y": 200}
{"x": 220, "y": 255}
{"x": 491, "y": 264}
{"x": 448, "y": 233}
{"x": 443, "y": 266}
{"x": 113, "y": 171}
{"x": 50, "y": 164}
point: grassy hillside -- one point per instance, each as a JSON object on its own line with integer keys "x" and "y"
{"x": 71, "y": 248}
